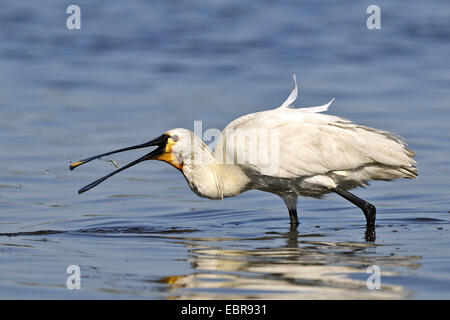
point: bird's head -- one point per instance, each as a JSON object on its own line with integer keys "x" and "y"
{"x": 174, "y": 147}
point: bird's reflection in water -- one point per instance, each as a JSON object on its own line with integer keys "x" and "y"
{"x": 302, "y": 268}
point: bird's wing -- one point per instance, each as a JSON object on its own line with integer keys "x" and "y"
{"x": 290, "y": 143}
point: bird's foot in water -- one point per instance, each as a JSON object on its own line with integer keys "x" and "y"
{"x": 370, "y": 212}
{"x": 294, "y": 225}
{"x": 370, "y": 235}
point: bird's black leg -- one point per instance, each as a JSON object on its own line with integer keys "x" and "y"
{"x": 294, "y": 218}
{"x": 368, "y": 209}
{"x": 290, "y": 199}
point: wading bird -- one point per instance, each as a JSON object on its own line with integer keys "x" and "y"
{"x": 287, "y": 151}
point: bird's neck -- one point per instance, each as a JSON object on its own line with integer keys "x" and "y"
{"x": 210, "y": 179}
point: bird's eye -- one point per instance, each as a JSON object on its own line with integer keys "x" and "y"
{"x": 175, "y": 138}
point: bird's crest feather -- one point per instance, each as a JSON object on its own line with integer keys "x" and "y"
{"x": 289, "y": 103}
{"x": 321, "y": 108}
{"x": 292, "y": 97}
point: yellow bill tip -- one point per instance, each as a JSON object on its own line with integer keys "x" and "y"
{"x": 75, "y": 164}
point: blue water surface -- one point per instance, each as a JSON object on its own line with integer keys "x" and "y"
{"x": 138, "y": 68}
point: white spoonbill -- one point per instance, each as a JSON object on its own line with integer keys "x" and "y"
{"x": 286, "y": 151}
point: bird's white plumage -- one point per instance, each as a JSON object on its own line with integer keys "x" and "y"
{"x": 315, "y": 153}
